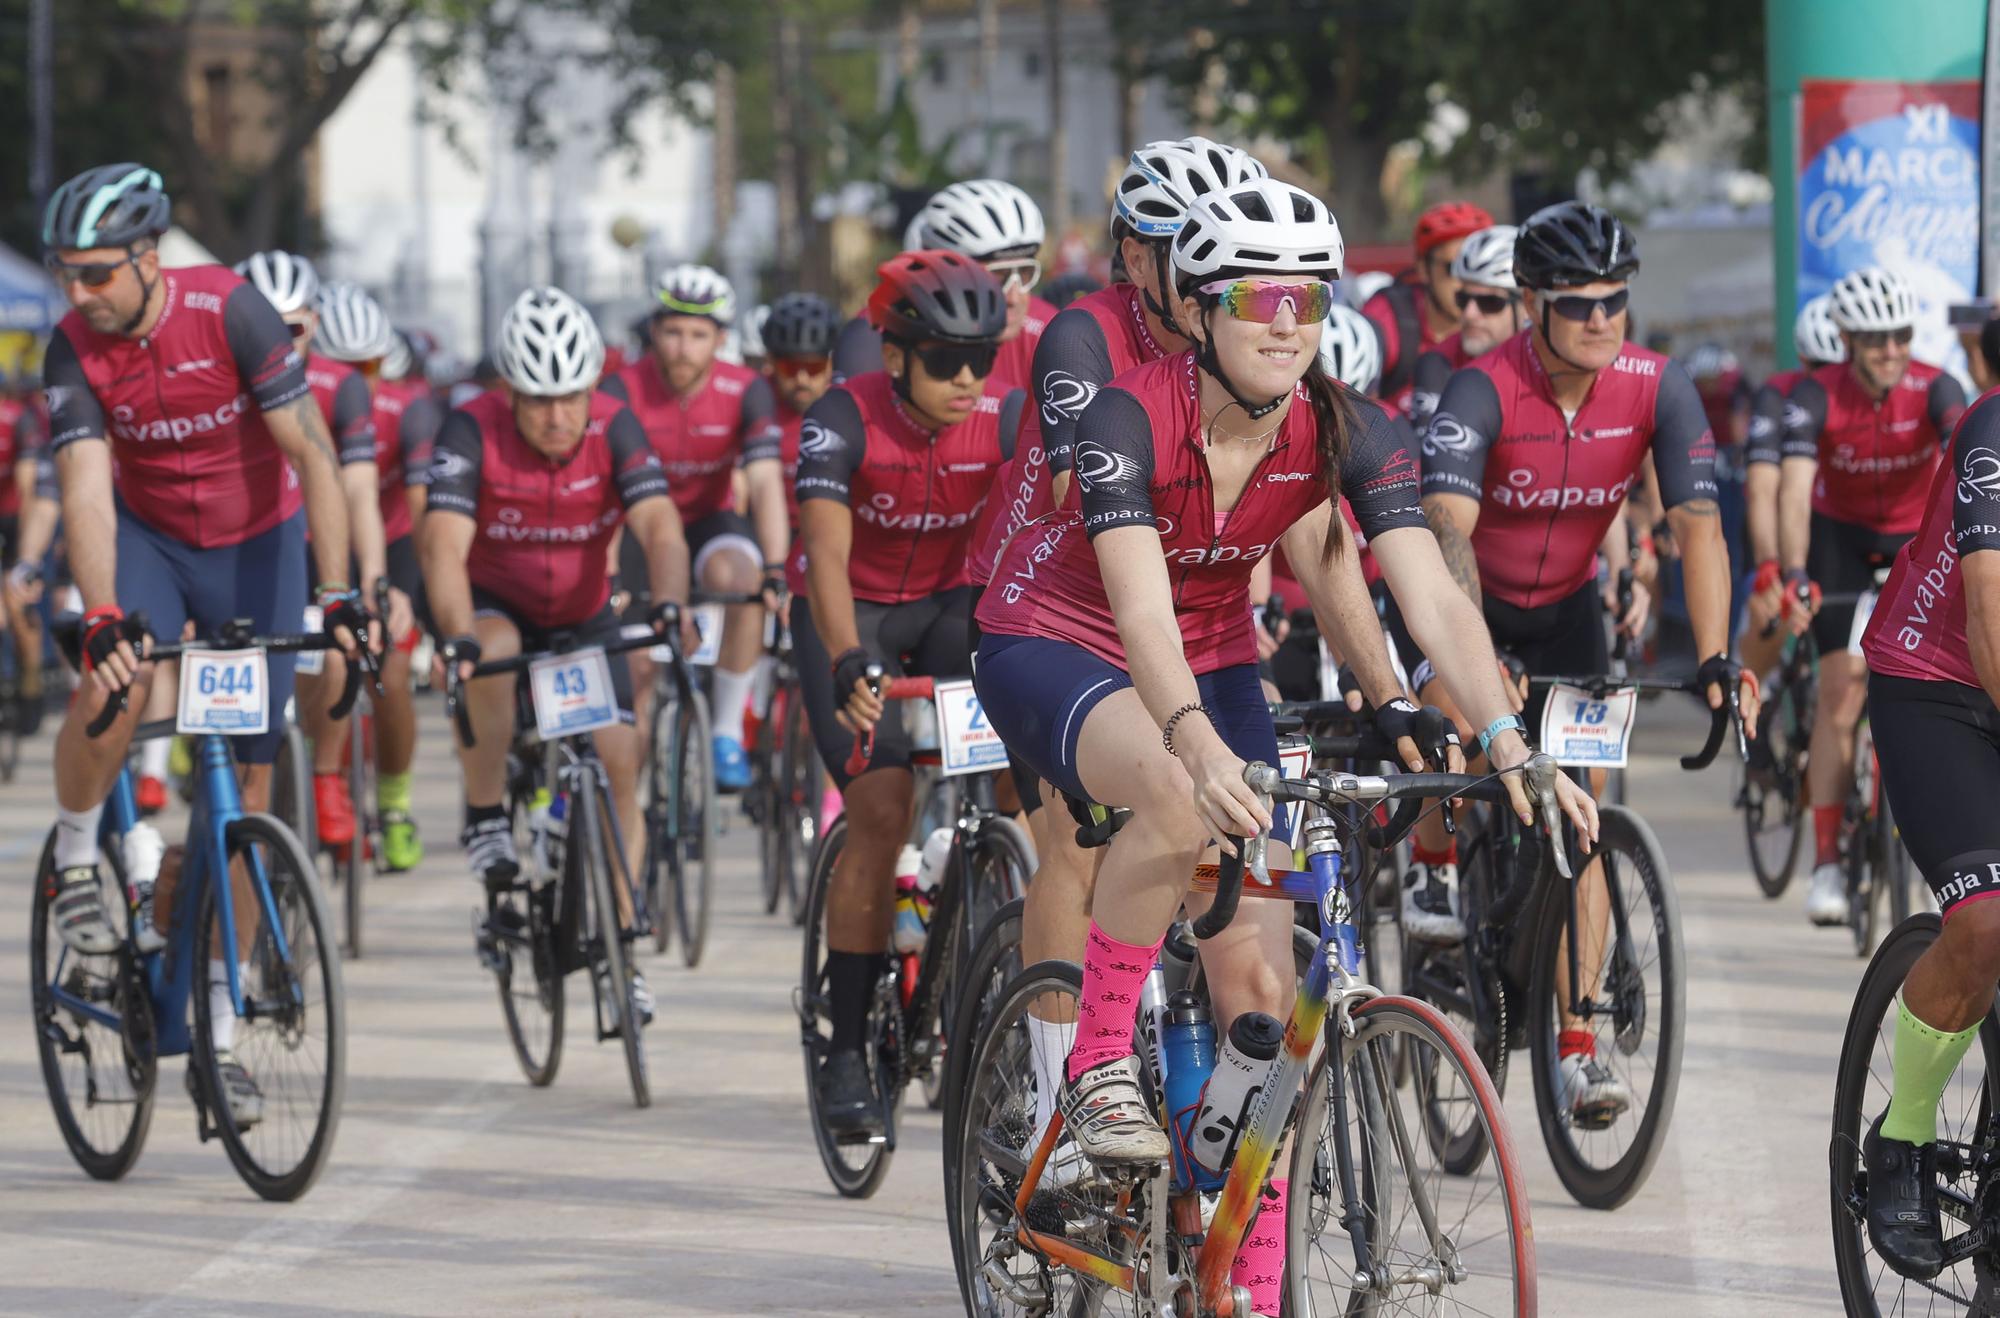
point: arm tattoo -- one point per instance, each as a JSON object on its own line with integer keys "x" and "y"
{"x": 1459, "y": 559}
{"x": 313, "y": 425}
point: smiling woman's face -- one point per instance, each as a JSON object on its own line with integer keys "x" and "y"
{"x": 1261, "y": 360}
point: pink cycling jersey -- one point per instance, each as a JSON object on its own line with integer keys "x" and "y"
{"x": 1875, "y": 455}
{"x": 406, "y": 423}
{"x": 543, "y": 528}
{"x": 1549, "y": 486}
{"x": 183, "y": 407}
{"x": 342, "y": 395}
{"x": 1140, "y": 462}
{"x": 703, "y": 438}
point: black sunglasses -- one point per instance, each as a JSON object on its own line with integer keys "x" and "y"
{"x": 943, "y": 361}
{"x": 1882, "y": 338}
{"x": 1578, "y": 308}
{"x": 1489, "y": 304}
{"x": 91, "y": 274}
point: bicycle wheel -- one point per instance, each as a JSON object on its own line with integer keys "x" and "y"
{"x": 993, "y": 959}
{"x": 763, "y": 803}
{"x": 1445, "y": 978}
{"x": 604, "y": 867}
{"x": 660, "y": 849}
{"x": 354, "y": 864}
{"x": 292, "y": 1035}
{"x": 94, "y": 1031}
{"x": 1772, "y": 798}
{"x": 1865, "y": 1080}
{"x": 695, "y": 827}
{"x": 1637, "y": 1026}
{"x": 291, "y": 788}
{"x": 856, "y": 1166}
{"x": 997, "y": 1129}
{"x": 1481, "y": 1258}
{"x": 802, "y": 788}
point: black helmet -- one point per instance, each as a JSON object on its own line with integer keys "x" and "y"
{"x": 1065, "y": 289}
{"x": 937, "y": 295}
{"x": 109, "y": 206}
{"x": 1572, "y": 243}
{"x": 801, "y": 325}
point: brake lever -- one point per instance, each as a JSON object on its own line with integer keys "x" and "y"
{"x": 1253, "y": 855}
{"x": 1541, "y": 772}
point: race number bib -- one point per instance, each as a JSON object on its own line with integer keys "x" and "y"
{"x": 1580, "y": 729}
{"x": 224, "y": 692}
{"x": 968, "y": 742}
{"x": 572, "y": 693}
{"x": 311, "y": 663}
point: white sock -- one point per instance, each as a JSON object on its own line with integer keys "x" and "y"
{"x": 221, "y": 1009}
{"x": 76, "y": 836}
{"x": 732, "y": 692}
{"x": 1048, "y": 1047}
{"x": 762, "y": 684}
{"x": 153, "y": 757}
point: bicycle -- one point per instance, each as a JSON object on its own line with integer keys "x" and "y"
{"x": 1534, "y": 941}
{"x": 1025, "y": 1245}
{"x": 1968, "y": 1148}
{"x": 103, "y": 1023}
{"x": 1773, "y": 794}
{"x": 988, "y": 866}
{"x": 561, "y": 913}
{"x": 348, "y": 864}
{"x": 783, "y": 800}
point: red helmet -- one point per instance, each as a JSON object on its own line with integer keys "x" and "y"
{"x": 937, "y": 295}
{"x": 1446, "y": 221}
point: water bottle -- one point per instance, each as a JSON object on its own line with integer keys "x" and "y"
{"x": 936, "y": 855}
{"x": 1153, "y": 1026}
{"x": 550, "y": 837}
{"x": 1188, "y": 1047}
{"x": 912, "y": 906}
{"x": 1241, "y": 1072}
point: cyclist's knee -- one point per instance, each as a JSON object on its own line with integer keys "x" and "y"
{"x": 1971, "y": 942}
{"x": 498, "y": 637}
{"x": 729, "y": 571}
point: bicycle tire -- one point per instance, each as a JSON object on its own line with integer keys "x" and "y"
{"x": 529, "y": 943}
{"x": 994, "y": 959}
{"x": 1863, "y": 1043}
{"x": 1596, "y": 1184}
{"x": 291, "y": 788}
{"x": 804, "y": 790}
{"x": 1774, "y": 869}
{"x": 858, "y": 1177}
{"x": 601, "y": 870}
{"x": 286, "y": 985}
{"x": 695, "y": 830}
{"x": 353, "y": 864}
{"x": 1385, "y": 1027}
{"x": 764, "y": 802}
{"x": 110, "y": 1147}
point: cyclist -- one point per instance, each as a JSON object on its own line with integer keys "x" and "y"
{"x": 1489, "y": 313}
{"x": 705, "y": 418}
{"x": 798, "y": 340}
{"x": 1852, "y": 483}
{"x": 1124, "y": 671}
{"x": 894, "y": 467}
{"x": 525, "y": 495}
{"x": 1933, "y": 648}
{"x": 1527, "y": 463}
{"x": 292, "y": 286}
{"x": 1092, "y": 341}
{"x": 1817, "y": 341}
{"x": 354, "y": 330}
{"x": 189, "y": 379}
{"x": 1418, "y": 310}
{"x": 29, "y": 513}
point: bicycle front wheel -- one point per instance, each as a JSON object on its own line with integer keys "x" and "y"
{"x": 604, "y": 869}
{"x": 292, "y": 1034}
{"x": 695, "y": 827}
{"x": 355, "y": 863}
{"x": 1772, "y": 798}
{"x": 1436, "y": 1242}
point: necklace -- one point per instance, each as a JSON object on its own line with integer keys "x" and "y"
{"x": 1243, "y": 439}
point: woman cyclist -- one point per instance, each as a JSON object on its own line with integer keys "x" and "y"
{"x": 1118, "y": 658}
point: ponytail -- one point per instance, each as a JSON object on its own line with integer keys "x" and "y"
{"x": 1334, "y": 418}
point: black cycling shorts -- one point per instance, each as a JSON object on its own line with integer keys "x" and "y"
{"x": 1842, "y": 560}
{"x": 1564, "y": 639}
{"x": 1938, "y": 744}
{"x": 1027, "y": 783}
{"x": 918, "y": 638}
{"x": 601, "y": 628}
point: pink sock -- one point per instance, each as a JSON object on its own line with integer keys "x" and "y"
{"x": 829, "y": 808}
{"x": 1112, "y": 974}
{"x": 1260, "y": 1259}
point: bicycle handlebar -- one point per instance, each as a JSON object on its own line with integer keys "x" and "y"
{"x": 454, "y": 686}
{"x": 888, "y": 688}
{"x": 1719, "y": 720}
{"x": 236, "y": 635}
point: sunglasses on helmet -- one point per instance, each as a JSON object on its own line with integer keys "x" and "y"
{"x": 1259, "y": 300}
{"x": 1489, "y": 304}
{"x": 943, "y": 361}
{"x": 1574, "y": 306}
{"x": 1882, "y": 338}
{"x": 91, "y": 274}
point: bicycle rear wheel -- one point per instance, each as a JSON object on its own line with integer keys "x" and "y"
{"x": 695, "y": 827}
{"x": 354, "y": 864}
{"x": 1772, "y": 798}
{"x": 1482, "y": 1259}
{"x": 99, "y": 1072}
{"x": 292, "y": 1036}
{"x": 763, "y": 801}
{"x": 801, "y": 789}
{"x": 291, "y": 788}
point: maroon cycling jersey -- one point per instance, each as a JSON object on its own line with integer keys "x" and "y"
{"x": 1382, "y": 311}
{"x": 544, "y": 528}
{"x": 1875, "y": 456}
{"x": 183, "y": 407}
{"x": 1140, "y": 462}
{"x": 342, "y": 395}
{"x": 1549, "y": 486}
{"x": 406, "y": 423}
{"x": 1434, "y": 368}
{"x": 789, "y": 423}
{"x": 20, "y": 441}
{"x": 1771, "y": 414}
{"x": 1918, "y": 627}
{"x": 915, "y": 494}
{"x": 703, "y": 438}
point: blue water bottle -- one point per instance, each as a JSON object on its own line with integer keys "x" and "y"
{"x": 1190, "y": 1052}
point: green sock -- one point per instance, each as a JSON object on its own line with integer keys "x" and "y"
{"x": 1924, "y": 1061}
{"x": 392, "y": 792}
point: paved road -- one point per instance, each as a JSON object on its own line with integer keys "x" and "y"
{"x": 455, "y": 1188}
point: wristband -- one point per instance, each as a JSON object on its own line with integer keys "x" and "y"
{"x": 1498, "y": 726}
{"x": 1167, "y": 728}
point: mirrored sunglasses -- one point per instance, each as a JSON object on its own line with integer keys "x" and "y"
{"x": 1259, "y": 300}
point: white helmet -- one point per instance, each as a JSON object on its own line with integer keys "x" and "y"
{"x": 695, "y": 290}
{"x": 982, "y": 218}
{"x": 549, "y": 345}
{"x": 1262, "y": 227}
{"x": 1487, "y": 258}
{"x": 1814, "y": 334}
{"x": 1364, "y": 285}
{"x": 1162, "y": 179}
{"x": 1350, "y": 350}
{"x": 750, "y": 334}
{"x": 352, "y": 327}
{"x": 915, "y": 237}
{"x": 287, "y": 281}
{"x": 399, "y": 361}
{"x": 1872, "y": 299}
